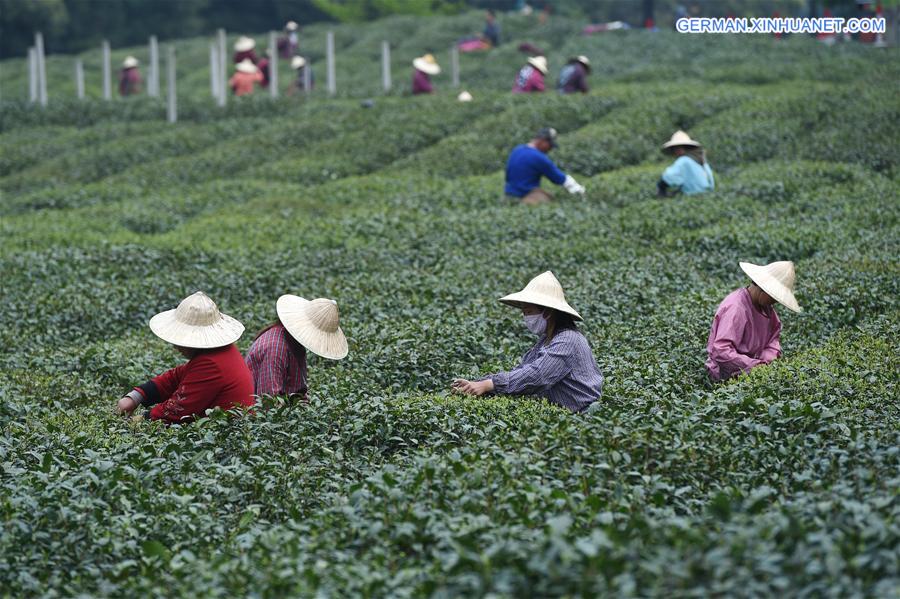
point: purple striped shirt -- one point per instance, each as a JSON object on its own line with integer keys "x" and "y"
{"x": 278, "y": 364}
{"x": 563, "y": 371}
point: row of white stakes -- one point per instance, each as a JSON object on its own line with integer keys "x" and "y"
{"x": 218, "y": 59}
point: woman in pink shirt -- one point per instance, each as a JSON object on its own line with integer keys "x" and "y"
{"x": 424, "y": 68}
{"x": 746, "y": 331}
{"x": 531, "y": 76}
{"x": 246, "y": 77}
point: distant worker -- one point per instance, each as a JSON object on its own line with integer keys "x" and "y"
{"x": 300, "y": 65}
{"x": 277, "y": 357}
{"x": 244, "y": 50}
{"x": 573, "y": 76}
{"x": 560, "y": 367}
{"x": 423, "y": 68}
{"x": 531, "y": 77}
{"x": 215, "y": 375}
{"x": 526, "y": 165}
{"x": 293, "y": 35}
{"x": 130, "y": 77}
{"x": 264, "y": 66}
{"x": 491, "y": 31}
{"x": 247, "y": 75}
{"x": 690, "y": 173}
{"x": 746, "y": 331}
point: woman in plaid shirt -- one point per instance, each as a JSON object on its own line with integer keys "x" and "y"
{"x": 277, "y": 357}
{"x": 560, "y": 366}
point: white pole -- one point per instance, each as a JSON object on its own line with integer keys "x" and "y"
{"x": 107, "y": 72}
{"x": 223, "y": 73}
{"x": 307, "y": 78}
{"x": 153, "y": 81}
{"x": 172, "y": 112}
{"x": 41, "y": 68}
{"x": 386, "y": 66}
{"x": 273, "y": 65}
{"x": 214, "y": 71}
{"x": 79, "y": 79}
{"x": 454, "y": 65}
{"x": 329, "y": 51}
{"x": 32, "y": 76}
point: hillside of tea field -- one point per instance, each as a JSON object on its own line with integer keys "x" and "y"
{"x": 784, "y": 481}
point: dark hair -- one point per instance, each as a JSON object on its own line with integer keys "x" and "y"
{"x": 561, "y": 322}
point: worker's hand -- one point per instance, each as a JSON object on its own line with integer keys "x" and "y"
{"x": 126, "y": 405}
{"x": 475, "y": 388}
{"x": 572, "y": 185}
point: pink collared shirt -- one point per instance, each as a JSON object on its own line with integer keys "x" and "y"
{"x": 743, "y": 336}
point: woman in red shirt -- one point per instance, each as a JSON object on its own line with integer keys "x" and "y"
{"x": 214, "y": 376}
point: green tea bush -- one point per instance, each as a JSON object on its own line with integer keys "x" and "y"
{"x": 780, "y": 482}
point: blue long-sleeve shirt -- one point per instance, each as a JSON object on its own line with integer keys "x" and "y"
{"x": 689, "y": 176}
{"x": 524, "y": 169}
{"x": 563, "y": 371}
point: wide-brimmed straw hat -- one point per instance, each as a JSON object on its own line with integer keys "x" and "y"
{"x": 244, "y": 43}
{"x": 538, "y": 62}
{"x": 291, "y": 26}
{"x": 776, "y": 279}
{"x": 196, "y": 323}
{"x": 246, "y": 66}
{"x": 464, "y": 96}
{"x": 314, "y": 324}
{"x": 298, "y": 62}
{"x": 427, "y": 64}
{"x": 680, "y": 138}
{"x": 544, "y": 290}
{"x": 130, "y": 62}
{"x": 583, "y": 60}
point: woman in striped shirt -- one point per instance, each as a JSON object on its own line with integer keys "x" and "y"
{"x": 277, "y": 357}
{"x": 560, "y": 367}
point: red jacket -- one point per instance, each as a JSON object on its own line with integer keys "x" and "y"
{"x": 216, "y": 378}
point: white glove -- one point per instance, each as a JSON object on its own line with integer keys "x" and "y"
{"x": 572, "y": 185}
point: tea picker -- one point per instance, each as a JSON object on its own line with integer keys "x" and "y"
{"x": 215, "y": 375}
{"x": 746, "y": 331}
{"x": 560, "y": 367}
{"x": 530, "y": 78}
{"x": 573, "y": 76}
{"x": 526, "y": 165}
{"x": 423, "y": 68}
{"x": 690, "y": 173}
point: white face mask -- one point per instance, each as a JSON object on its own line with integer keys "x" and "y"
{"x": 536, "y": 323}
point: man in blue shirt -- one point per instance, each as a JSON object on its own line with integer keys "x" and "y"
{"x": 690, "y": 173}
{"x": 526, "y": 165}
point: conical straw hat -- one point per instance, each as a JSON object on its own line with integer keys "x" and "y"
{"x": 538, "y": 62}
{"x": 291, "y": 26}
{"x": 583, "y": 60}
{"x": 680, "y": 138}
{"x": 427, "y": 64}
{"x": 129, "y": 62}
{"x": 776, "y": 279}
{"x": 196, "y": 323}
{"x": 246, "y": 66}
{"x": 314, "y": 324}
{"x": 244, "y": 43}
{"x": 298, "y": 62}
{"x": 464, "y": 96}
{"x": 543, "y": 290}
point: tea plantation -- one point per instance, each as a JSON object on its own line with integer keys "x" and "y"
{"x": 781, "y": 482}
